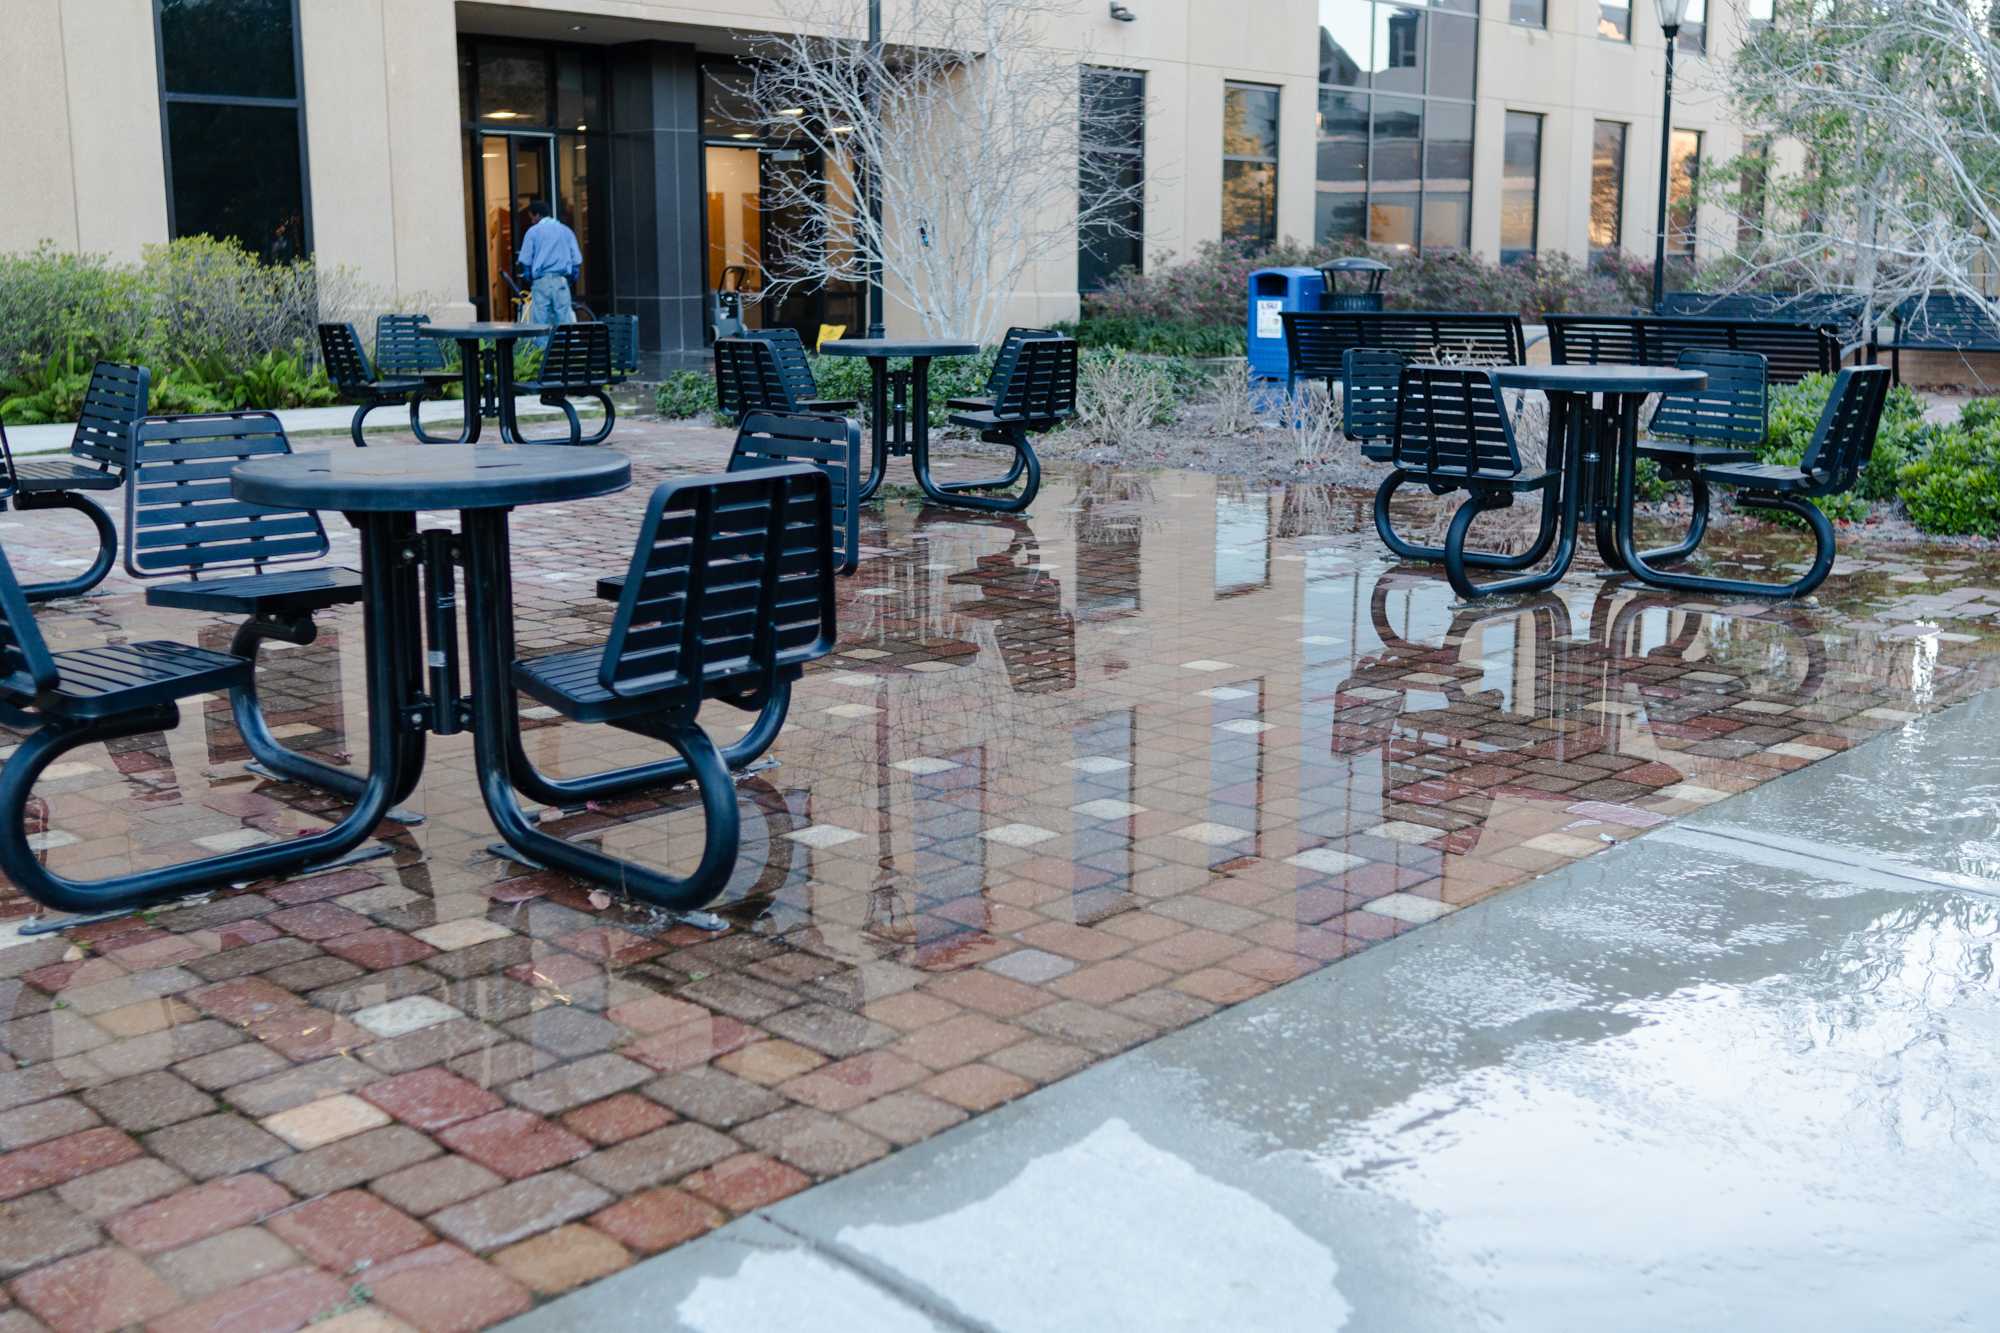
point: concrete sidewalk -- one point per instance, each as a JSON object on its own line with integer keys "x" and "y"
{"x": 1740, "y": 1073}
{"x": 300, "y": 421}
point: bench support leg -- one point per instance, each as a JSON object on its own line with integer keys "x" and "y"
{"x": 417, "y": 426}
{"x": 107, "y": 543}
{"x": 1639, "y": 562}
{"x": 575, "y": 435}
{"x": 1405, "y": 549}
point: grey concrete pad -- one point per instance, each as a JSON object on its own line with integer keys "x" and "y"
{"x": 1672, "y": 1087}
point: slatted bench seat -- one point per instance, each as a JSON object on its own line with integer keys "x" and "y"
{"x": 1003, "y": 363}
{"x": 767, "y": 371}
{"x": 1038, "y": 395}
{"x": 359, "y": 381}
{"x": 1317, "y": 341}
{"x": 96, "y": 462}
{"x": 1837, "y": 310}
{"x": 577, "y": 364}
{"x": 1938, "y": 322}
{"x": 1791, "y": 351}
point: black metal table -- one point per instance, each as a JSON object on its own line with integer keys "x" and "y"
{"x": 489, "y": 388}
{"x": 1597, "y": 442}
{"x": 905, "y": 397}
{"x": 412, "y": 630}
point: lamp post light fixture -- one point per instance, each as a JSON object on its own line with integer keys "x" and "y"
{"x": 1671, "y": 14}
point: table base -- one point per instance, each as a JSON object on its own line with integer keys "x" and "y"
{"x": 900, "y": 426}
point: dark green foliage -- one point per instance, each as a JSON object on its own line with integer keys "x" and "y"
{"x": 1954, "y": 486}
{"x": 686, "y": 393}
{"x": 1159, "y": 337}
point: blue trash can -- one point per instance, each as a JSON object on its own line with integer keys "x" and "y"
{"x": 1273, "y": 291}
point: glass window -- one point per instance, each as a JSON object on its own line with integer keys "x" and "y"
{"x": 1614, "y": 20}
{"x": 1607, "y": 186}
{"x": 513, "y": 85}
{"x": 1396, "y": 166}
{"x": 228, "y": 48}
{"x": 727, "y": 109}
{"x": 1249, "y": 162}
{"x": 1520, "y": 186}
{"x": 1683, "y": 173}
{"x": 1111, "y": 173}
{"x": 1694, "y": 28}
{"x": 1533, "y": 13}
{"x": 579, "y": 91}
{"x": 235, "y": 150}
{"x": 1759, "y": 13}
{"x": 1753, "y": 186}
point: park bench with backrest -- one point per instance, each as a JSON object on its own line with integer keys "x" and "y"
{"x": 729, "y": 594}
{"x": 1791, "y": 351}
{"x": 576, "y": 364}
{"x": 1938, "y": 322}
{"x": 1038, "y": 395}
{"x": 776, "y": 377}
{"x": 1723, "y": 422}
{"x": 97, "y": 460}
{"x": 357, "y": 379}
{"x": 1842, "y": 311}
{"x": 1316, "y": 341}
{"x": 1003, "y": 362}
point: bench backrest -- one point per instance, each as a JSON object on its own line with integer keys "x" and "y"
{"x": 1372, "y": 377}
{"x": 1317, "y": 340}
{"x": 831, "y": 444}
{"x": 1733, "y": 409}
{"x": 10, "y": 482}
{"x": 115, "y": 398}
{"x": 748, "y": 377}
{"x": 1041, "y": 384}
{"x": 1845, "y": 439}
{"x": 400, "y": 349}
{"x": 1840, "y": 310}
{"x": 624, "y": 343}
{"x": 27, "y": 667}
{"x": 345, "y": 359}
{"x": 730, "y": 583}
{"x": 792, "y": 364}
{"x": 578, "y": 358}
{"x": 1451, "y": 420}
{"x": 1947, "y": 320}
{"x": 180, "y": 518}
{"x": 1010, "y": 347}
{"x": 1791, "y": 351}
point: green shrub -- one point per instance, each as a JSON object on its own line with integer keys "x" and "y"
{"x": 686, "y": 393}
{"x": 1159, "y": 337}
{"x": 951, "y": 377}
{"x": 1954, "y": 487}
{"x": 1980, "y": 415}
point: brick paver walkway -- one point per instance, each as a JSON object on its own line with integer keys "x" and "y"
{"x": 1072, "y": 781}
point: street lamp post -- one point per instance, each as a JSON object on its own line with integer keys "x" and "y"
{"x": 875, "y": 327}
{"x": 1671, "y": 14}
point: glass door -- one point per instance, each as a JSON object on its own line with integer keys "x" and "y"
{"x": 514, "y": 169}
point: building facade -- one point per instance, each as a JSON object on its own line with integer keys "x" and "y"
{"x": 403, "y": 138}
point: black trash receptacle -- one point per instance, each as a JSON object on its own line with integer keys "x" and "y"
{"x": 1364, "y": 291}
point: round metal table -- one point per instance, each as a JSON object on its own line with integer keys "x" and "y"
{"x": 489, "y": 390}
{"x": 408, "y": 596}
{"x": 1594, "y": 432}
{"x": 905, "y": 397}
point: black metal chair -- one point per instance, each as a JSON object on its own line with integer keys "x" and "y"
{"x": 96, "y": 461}
{"x": 766, "y": 371}
{"x": 1841, "y": 446}
{"x": 182, "y": 522}
{"x": 1724, "y": 422}
{"x": 1038, "y": 395}
{"x": 624, "y": 346}
{"x": 1003, "y": 362}
{"x": 402, "y": 350}
{"x": 1453, "y": 433}
{"x": 729, "y": 595}
{"x": 358, "y": 381}
{"x": 577, "y": 364}
{"x": 1373, "y": 376}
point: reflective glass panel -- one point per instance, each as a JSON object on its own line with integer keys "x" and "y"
{"x": 1249, "y": 201}
{"x": 1448, "y": 144}
{"x": 1614, "y": 20}
{"x": 1343, "y": 42}
{"x": 1392, "y": 218}
{"x": 1398, "y": 60}
{"x": 1250, "y": 122}
{"x": 513, "y": 86}
{"x": 1447, "y": 220}
{"x": 1454, "y": 55}
{"x": 1399, "y": 126}
{"x": 234, "y": 48}
{"x": 1607, "y": 185}
{"x": 1684, "y": 169}
{"x": 236, "y": 174}
{"x": 1520, "y": 186}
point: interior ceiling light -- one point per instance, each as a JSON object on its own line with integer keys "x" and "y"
{"x": 503, "y": 115}
{"x": 742, "y": 134}
{"x": 581, "y": 128}
{"x": 843, "y": 129}
{"x": 792, "y": 111}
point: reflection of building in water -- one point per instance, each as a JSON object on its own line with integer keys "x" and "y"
{"x": 1036, "y": 634}
{"x": 1242, "y": 537}
{"x": 1101, "y": 848}
{"x": 1111, "y": 511}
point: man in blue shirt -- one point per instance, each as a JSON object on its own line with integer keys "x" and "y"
{"x": 549, "y": 258}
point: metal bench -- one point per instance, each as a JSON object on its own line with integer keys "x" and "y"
{"x": 1938, "y": 322}
{"x": 1791, "y": 351}
{"x": 767, "y": 371}
{"x": 1840, "y": 448}
{"x": 577, "y": 364}
{"x": 1317, "y": 341}
{"x": 1003, "y": 361}
{"x": 1373, "y": 377}
{"x": 624, "y": 346}
{"x": 181, "y": 522}
{"x": 1724, "y": 422}
{"x": 729, "y": 595}
{"x": 1038, "y": 395}
{"x": 1453, "y": 433}
{"x": 357, "y": 380}
{"x": 401, "y": 351}
{"x": 96, "y": 461}
{"x": 1836, "y": 310}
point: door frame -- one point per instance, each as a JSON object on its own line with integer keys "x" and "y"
{"x": 550, "y": 147}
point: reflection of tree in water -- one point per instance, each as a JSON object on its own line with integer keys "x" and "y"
{"x": 1322, "y": 509}
{"x": 1036, "y": 635}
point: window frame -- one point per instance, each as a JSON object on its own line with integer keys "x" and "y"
{"x": 1515, "y": 17}
{"x": 1277, "y": 146}
{"x": 1692, "y": 37}
{"x": 1517, "y": 254}
{"x": 295, "y": 103}
{"x": 1623, "y": 35}
{"x": 1135, "y": 151}
{"x": 1693, "y": 228}
{"x": 1617, "y": 241}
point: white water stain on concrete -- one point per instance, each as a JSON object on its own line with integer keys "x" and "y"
{"x": 795, "y": 1289}
{"x": 1113, "y": 1233}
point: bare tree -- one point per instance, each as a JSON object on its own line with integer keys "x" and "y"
{"x": 1891, "y": 106}
{"x": 978, "y": 133}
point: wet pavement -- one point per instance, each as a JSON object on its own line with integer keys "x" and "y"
{"x": 1730, "y": 1076}
{"x": 1071, "y": 782}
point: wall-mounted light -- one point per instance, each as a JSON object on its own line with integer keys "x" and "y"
{"x": 1122, "y": 14}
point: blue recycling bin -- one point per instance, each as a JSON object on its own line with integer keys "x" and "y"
{"x": 1272, "y": 292}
